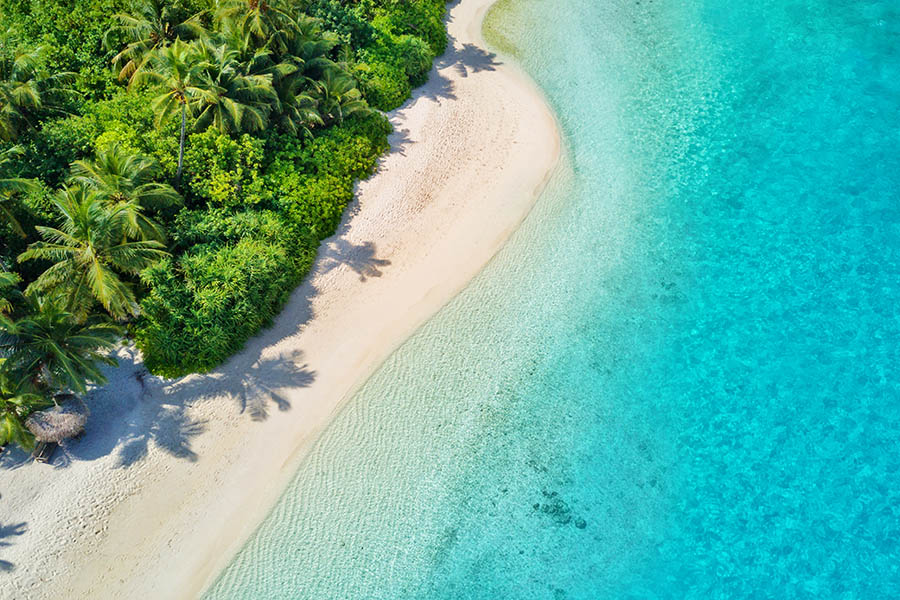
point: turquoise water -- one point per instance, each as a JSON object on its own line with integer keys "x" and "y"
{"x": 680, "y": 378}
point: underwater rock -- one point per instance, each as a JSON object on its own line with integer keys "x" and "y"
{"x": 558, "y": 510}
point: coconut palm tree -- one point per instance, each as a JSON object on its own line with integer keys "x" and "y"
{"x": 8, "y": 283}
{"x": 178, "y": 72}
{"x": 10, "y": 186}
{"x": 89, "y": 251}
{"x": 306, "y": 59}
{"x": 51, "y": 349}
{"x": 232, "y": 100}
{"x": 125, "y": 179}
{"x": 16, "y": 403}
{"x": 153, "y": 25}
{"x": 308, "y": 46}
{"x": 297, "y": 109}
{"x": 337, "y": 97}
{"x": 262, "y": 20}
{"x": 26, "y": 92}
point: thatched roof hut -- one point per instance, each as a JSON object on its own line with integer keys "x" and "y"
{"x": 59, "y": 422}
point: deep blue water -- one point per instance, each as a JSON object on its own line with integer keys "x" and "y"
{"x": 681, "y": 378}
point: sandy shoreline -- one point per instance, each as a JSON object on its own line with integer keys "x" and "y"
{"x": 175, "y": 475}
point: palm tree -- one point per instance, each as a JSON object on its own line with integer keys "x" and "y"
{"x": 16, "y": 403}
{"x": 8, "y": 281}
{"x": 258, "y": 19}
{"x": 232, "y": 100}
{"x": 25, "y": 91}
{"x": 306, "y": 52}
{"x": 179, "y": 74}
{"x": 126, "y": 179}
{"x": 10, "y": 186}
{"x": 308, "y": 46}
{"x": 89, "y": 251}
{"x": 337, "y": 97}
{"x": 298, "y": 111}
{"x": 51, "y": 349}
{"x": 154, "y": 25}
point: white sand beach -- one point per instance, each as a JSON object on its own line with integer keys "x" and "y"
{"x": 174, "y": 475}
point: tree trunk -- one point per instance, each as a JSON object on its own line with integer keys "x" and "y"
{"x": 181, "y": 144}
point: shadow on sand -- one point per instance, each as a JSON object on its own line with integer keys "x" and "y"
{"x": 157, "y": 413}
{"x": 360, "y": 258}
{"x": 137, "y": 411}
{"x": 9, "y": 531}
{"x": 465, "y": 59}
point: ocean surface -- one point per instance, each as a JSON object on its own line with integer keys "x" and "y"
{"x": 681, "y": 378}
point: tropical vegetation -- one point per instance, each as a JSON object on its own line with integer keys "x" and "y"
{"x": 168, "y": 169}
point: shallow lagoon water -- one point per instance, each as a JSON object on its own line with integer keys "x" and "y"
{"x": 680, "y": 377}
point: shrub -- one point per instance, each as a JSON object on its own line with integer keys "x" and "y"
{"x": 349, "y": 22}
{"x": 416, "y": 58}
{"x": 393, "y": 64}
{"x": 383, "y": 85}
{"x": 125, "y": 119}
{"x": 222, "y": 171}
{"x": 421, "y": 18}
{"x": 317, "y": 202}
{"x": 313, "y": 183}
{"x": 203, "y": 307}
{"x": 374, "y": 127}
{"x": 221, "y": 227}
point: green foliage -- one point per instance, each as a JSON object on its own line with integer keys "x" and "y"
{"x": 96, "y": 244}
{"x": 416, "y": 58}
{"x": 10, "y": 187}
{"x": 274, "y": 99}
{"x": 421, "y": 18}
{"x": 387, "y": 71}
{"x": 124, "y": 119}
{"x": 73, "y": 34}
{"x": 52, "y": 349}
{"x": 17, "y": 401}
{"x": 224, "y": 171}
{"x": 30, "y": 210}
{"x": 8, "y": 290}
{"x": 204, "y": 306}
{"x": 313, "y": 183}
{"x": 384, "y": 85}
{"x": 318, "y": 202}
{"x": 348, "y": 20}
{"x": 153, "y": 25}
{"x": 410, "y": 35}
{"x": 29, "y": 88}
{"x": 220, "y": 227}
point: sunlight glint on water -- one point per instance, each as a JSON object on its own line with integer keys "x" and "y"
{"x": 680, "y": 378}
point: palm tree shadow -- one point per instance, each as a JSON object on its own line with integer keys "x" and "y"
{"x": 469, "y": 58}
{"x": 129, "y": 415}
{"x": 437, "y": 88}
{"x": 13, "y": 457}
{"x": 253, "y": 387}
{"x": 168, "y": 427}
{"x": 359, "y": 257}
{"x": 465, "y": 59}
{"x": 399, "y": 140}
{"x": 142, "y": 411}
{"x": 8, "y": 531}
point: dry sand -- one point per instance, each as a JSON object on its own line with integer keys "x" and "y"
{"x": 173, "y": 476}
